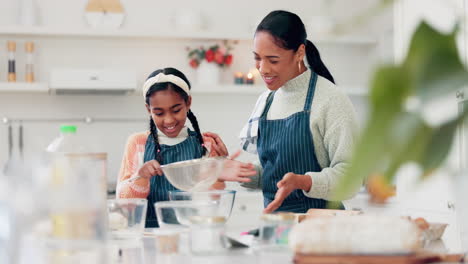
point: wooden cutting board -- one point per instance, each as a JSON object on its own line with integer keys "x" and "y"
{"x": 421, "y": 258}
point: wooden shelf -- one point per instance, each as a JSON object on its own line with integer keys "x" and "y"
{"x": 23, "y": 87}
{"x": 41, "y": 31}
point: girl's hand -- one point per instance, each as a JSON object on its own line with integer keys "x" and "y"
{"x": 149, "y": 169}
{"x": 217, "y": 147}
{"x": 234, "y": 170}
{"x": 286, "y": 186}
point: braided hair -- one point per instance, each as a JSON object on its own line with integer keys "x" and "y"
{"x": 289, "y": 33}
{"x": 190, "y": 115}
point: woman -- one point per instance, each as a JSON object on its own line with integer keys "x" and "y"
{"x": 302, "y": 128}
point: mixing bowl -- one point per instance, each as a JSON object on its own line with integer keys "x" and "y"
{"x": 177, "y": 214}
{"x": 220, "y": 201}
{"x": 194, "y": 175}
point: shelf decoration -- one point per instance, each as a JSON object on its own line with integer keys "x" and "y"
{"x": 11, "y": 61}
{"x": 29, "y": 46}
{"x": 104, "y": 13}
{"x": 209, "y": 60}
{"x": 238, "y": 78}
{"x": 249, "y": 79}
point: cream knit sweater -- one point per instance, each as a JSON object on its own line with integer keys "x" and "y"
{"x": 333, "y": 126}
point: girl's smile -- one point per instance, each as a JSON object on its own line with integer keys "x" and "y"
{"x": 168, "y": 111}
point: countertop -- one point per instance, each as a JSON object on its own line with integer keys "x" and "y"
{"x": 146, "y": 251}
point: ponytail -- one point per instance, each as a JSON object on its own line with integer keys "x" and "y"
{"x": 288, "y": 31}
{"x": 196, "y": 127}
{"x": 315, "y": 62}
{"x": 154, "y": 134}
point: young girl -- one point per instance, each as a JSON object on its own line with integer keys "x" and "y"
{"x": 168, "y": 100}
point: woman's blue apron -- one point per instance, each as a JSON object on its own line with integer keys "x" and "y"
{"x": 188, "y": 149}
{"x": 286, "y": 145}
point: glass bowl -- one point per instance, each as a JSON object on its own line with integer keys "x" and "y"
{"x": 194, "y": 175}
{"x": 177, "y": 214}
{"x": 126, "y": 217}
{"x": 220, "y": 201}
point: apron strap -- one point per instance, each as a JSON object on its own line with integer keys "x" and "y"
{"x": 269, "y": 100}
{"x": 310, "y": 91}
{"x": 309, "y": 98}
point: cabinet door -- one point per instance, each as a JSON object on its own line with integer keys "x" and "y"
{"x": 441, "y": 14}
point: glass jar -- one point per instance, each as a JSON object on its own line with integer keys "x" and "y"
{"x": 274, "y": 229}
{"x": 207, "y": 235}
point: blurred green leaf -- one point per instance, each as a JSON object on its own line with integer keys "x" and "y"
{"x": 434, "y": 63}
{"x": 393, "y": 136}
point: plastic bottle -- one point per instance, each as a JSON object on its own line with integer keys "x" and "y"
{"x": 77, "y": 191}
{"x": 68, "y": 141}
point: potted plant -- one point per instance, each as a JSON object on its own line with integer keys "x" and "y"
{"x": 209, "y": 60}
{"x": 404, "y": 125}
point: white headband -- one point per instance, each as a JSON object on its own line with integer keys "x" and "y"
{"x": 161, "y": 78}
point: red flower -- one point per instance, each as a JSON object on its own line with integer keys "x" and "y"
{"x": 228, "y": 60}
{"x": 219, "y": 57}
{"x": 193, "y": 63}
{"x": 209, "y": 55}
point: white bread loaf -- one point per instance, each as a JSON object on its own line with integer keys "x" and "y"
{"x": 360, "y": 234}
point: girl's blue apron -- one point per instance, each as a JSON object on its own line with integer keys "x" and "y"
{"x": 286, "y": 145}
{"x": 188, "y": 149}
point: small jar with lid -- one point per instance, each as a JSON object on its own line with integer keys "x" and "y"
{"x": 274, "y": 229}
{"x": 207, "y": 235}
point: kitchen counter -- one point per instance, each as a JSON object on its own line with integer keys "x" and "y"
{"x": 145, "y": 251}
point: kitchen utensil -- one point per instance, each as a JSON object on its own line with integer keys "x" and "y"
{"x": 194, "y": 175}
{"x": 10, "y": 141}
{"x": 236, "y": 243}
{"x": 20, "y": 140}
{"x": 126, "y": 217}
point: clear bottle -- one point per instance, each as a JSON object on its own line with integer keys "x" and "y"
{"x": 77, "y": 191}
{"x": 11, "y": 61}
{"x": 29, "y": 62}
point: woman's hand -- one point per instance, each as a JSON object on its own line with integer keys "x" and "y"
{"x": 149, "y": 169}
{"x": 289, "y": 183}
{"x": 234, "y": 170}
{"x": 216, "y": 145}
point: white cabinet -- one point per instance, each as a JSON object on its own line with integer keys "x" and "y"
{"x": 441, "y": 14}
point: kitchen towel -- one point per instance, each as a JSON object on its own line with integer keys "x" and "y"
{"x": 249, "y": 132}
